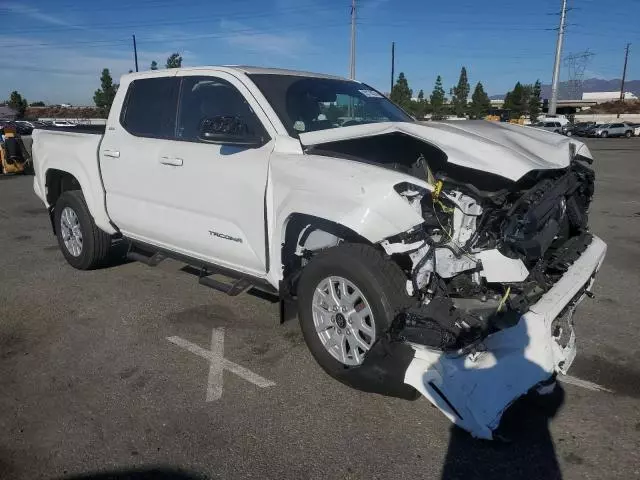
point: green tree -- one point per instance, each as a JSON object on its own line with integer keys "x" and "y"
{"x": 517, "y": 100}
{"x": 17, "y": 103}
{"x": 154, "y": 65}
{"x": 480, "y": 102}
{"x": 401, "y": 93}
{"x": 534, "y": 101}
{"x": 103, "y": 97}
{"x": 420, "y": 106}
{"x": 460, "y": 94}
{"x": 174, "y": 61}
{"x": 437, "y": 100}
{"x": 37, "y": 104}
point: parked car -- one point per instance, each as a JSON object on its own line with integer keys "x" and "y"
{"x": 420, "y": 257}
{"x": 612, "y": 130}
{"x": 23, "y": 128}
{"x": 561, "y": 119}
{"x": 581, "y": 129}
{"x": 62, "y": 123}
{"x": 567, "y": 130}
{"x": 549, "y": 126}
{"x": 636, "y": 128}
{"x": 31, "y": 123}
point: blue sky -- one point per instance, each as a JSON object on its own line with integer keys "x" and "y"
{"x": 55, "y": 49}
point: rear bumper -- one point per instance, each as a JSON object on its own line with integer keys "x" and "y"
{"x": 473, "y": 390}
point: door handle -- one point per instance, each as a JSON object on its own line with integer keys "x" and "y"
{"x": 111, "y": 153}
{"x": 176, "y": 162}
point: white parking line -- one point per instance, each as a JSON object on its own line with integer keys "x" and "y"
{"x": 217, "y": 364}
{"x": 583, "y": 383}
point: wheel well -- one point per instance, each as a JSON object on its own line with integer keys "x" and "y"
{"x": 57, "y": 182}
{"x": 311, "y": 234}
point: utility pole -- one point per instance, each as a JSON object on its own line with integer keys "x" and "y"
{"x": 352, "y": 67}
{"x": 624, "y": 77}
{"x": 393, "y": 63}
{"x": 556, "y": 66}
{"x": 135, "y": 52}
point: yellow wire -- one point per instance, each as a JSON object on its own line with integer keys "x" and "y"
{"x": 503, "y": 300}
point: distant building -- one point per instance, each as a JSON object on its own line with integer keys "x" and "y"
{"x": 7, "y": 113}
{"x": 602, "y": 97}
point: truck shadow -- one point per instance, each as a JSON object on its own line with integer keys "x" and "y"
{"x": 158, "y": 473}
{"x": 525, "y": 452}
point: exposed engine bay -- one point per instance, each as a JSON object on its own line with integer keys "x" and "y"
{"x": 497, "y": 258}
{"x": 489, "y": 247}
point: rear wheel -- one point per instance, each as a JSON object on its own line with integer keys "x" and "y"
{"x": 604, "y": 134}
{"x": 347, "y": 298}
{"x": 83, "y": 244}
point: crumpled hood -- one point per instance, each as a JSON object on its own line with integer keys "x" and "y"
{"x": 502, "y": 149}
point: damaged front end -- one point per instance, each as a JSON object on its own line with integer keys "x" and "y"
{"x": 496, "y": 268}
{"x": 496, "y": 275}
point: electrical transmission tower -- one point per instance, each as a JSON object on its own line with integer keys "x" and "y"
{"x": 576, "y": 64}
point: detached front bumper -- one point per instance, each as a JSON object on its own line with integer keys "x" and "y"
{"x": 474, "y": 390}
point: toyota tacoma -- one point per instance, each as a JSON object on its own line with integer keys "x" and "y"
{"x": 421, "y": 258}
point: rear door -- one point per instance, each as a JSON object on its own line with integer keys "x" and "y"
{"x": 617, "y": 129}
{"x": 130, "y": 156}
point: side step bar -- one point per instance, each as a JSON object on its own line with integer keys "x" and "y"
{"x": 240, "y": 283}
{"x": 152, "y": 260}
{"x": 232, "y": 289}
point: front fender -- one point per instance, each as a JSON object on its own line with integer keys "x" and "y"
{"x": 358, "y": 196}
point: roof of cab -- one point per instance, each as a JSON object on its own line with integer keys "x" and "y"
{"x": 248, "y": 70}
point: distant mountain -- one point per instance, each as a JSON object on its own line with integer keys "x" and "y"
{"x": 567, "y": 92}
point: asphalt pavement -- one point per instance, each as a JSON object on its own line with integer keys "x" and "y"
{"x": 111, "y": 371}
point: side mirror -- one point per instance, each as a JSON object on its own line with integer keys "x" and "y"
{"x": 227, "y": 130}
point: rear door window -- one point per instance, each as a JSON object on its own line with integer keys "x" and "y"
{"x": 150, "y": 107}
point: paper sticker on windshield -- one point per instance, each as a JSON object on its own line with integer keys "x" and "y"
{"x": 370, "y": 93}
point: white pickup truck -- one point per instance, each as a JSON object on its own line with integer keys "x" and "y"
{"x": 444, "y": 259}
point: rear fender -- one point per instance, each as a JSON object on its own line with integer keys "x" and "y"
{"x": 77, "y": 157}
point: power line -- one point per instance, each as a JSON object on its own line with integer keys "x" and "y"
{"x": 164, "y": 38}
{"x": 152, "y": 24}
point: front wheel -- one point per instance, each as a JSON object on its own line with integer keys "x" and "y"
{"x": 569, "y": 133}
{"x": 83, "y": 244}
{"x": 604, "y": 134}
{"x": 347, "y": 298}
{"x": 628, "y": 134}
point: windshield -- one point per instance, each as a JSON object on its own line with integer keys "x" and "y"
{"x": 306, "y": 104}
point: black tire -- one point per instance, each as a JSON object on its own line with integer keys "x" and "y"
{"x": 628, "y": 134}
{"x": 381, "y": 281}
{"x": 604, "y": 134}
{"x": 95, "y": 242}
